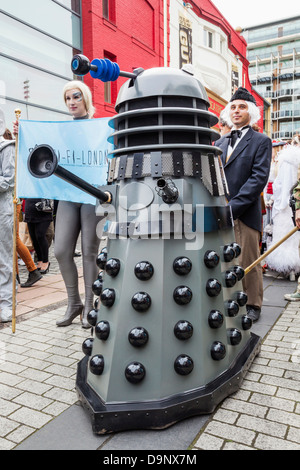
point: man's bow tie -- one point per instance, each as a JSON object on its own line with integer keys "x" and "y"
{"x": 233, "y": 136}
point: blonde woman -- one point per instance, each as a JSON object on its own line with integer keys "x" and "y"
{"x": 74, "y": 218}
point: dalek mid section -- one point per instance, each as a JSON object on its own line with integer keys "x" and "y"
{"x": 170, "y": 335}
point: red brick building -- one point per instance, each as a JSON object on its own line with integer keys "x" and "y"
{"x": 137, "y": 34}
{"x": 128, "y": 32}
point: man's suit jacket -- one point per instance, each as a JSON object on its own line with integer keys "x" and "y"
{"x": 247, "y": 172}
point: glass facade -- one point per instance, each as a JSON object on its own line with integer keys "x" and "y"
{"x": 38, "y": 41}
{"x": 272, "y": 31}
{"x": 274, "y": 71}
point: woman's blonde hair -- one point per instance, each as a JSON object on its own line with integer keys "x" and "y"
{"x": 86, "y": 94}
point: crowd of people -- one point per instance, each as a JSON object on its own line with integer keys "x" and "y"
{"x": 257, "y": 173}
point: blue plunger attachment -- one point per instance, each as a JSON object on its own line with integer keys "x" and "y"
{"x": 103, "y": 69}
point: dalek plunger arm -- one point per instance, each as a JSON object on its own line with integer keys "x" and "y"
{"x": 103, "y": 69}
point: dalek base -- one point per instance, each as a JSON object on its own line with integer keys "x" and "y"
{"x": 109, "y": 418}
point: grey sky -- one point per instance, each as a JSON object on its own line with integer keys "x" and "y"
{"x": 255, "y": 12}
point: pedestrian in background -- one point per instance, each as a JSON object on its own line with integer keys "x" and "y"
{"x": 7, "y": 177}
{"x": 223, "y": 124}
{"x": 285, "y": 259}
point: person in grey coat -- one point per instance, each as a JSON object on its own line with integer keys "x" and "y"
{"x": 246, "y": 157}
{"x": 7, "y": 175}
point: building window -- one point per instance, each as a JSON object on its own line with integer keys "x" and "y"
{"x": 109, "y": 10}
{"x": 208, "y": 38}
{"x": 110, "y": 88}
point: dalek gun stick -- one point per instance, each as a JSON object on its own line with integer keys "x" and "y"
{"x": 170, "y": 333}
{"x": 42, "y": 162}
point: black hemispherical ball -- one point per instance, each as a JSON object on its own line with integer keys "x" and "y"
{"x": 101, "y": 260}
{"x": 237, "y": 249}
{"x": 138, "y": 336}
{"x": 213, "y": 287}
{"x": 232, "y": 308}
{"x": 246, "y": 322}
{"x": 182, "y": 295}
{"x": 183, "y": 330}
{"x": 144, "y": 270}
{"x": 92, "y": 316}
{"x": 108, "y": 297}
{"x": 183, "y": 364}
{"x": 211, "y": 259}
{"x": 218, "y": 351}
{"x": 215, "y": 319}
{"x": 239, "y": 272}
{"x": 235, "y": 336}
{"x": 97, "y": 287}
{"x": 96, "y": 364}
{"x": 87, "y": 346}
{"x": 141, "y": 301}
{"x": 228, "y": 253}
{"x": 102, "y": 330}
{"x": 112, "y": 267}
{"x": 182, "y": 265}
{"x": 135, "y": 372}
{"x": 241, "y": 298}
{"x": 230, "y": 278}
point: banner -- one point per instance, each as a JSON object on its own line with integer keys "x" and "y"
{"x": 81, "y": 147}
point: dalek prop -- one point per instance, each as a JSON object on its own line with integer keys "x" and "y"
{"x": 170, "y": 335}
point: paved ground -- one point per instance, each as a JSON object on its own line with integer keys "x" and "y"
{"x": 39, "y": 407}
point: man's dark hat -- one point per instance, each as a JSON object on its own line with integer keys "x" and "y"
{"x": 243, "y": 94}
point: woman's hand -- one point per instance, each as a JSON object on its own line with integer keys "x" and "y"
{"x": 16, "y": 127}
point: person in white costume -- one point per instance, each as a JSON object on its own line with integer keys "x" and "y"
{"x": 285, "y": 259}
{"x": 7, "y": 175}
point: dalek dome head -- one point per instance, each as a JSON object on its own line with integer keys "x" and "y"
{"x": 163, "y": 81}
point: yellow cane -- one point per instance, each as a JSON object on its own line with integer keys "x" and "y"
{"x": 288, "y": 235}
{"x": 17, "y": 113}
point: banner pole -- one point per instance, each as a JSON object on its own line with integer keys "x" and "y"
{"x": 15, "y": 201}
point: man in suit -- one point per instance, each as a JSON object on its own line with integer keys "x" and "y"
{"x": 246, "y": 159}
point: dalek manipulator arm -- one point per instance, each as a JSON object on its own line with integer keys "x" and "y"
{"x": 42, "y": 163}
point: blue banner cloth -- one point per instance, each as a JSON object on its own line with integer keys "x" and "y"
{"x": 81, "y": 147}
